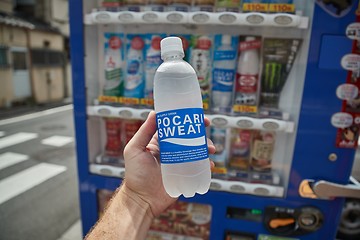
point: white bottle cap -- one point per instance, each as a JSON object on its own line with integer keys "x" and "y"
{"x": 226, "y": 39}
{"x": 171, "y": 45}
{"x": 250, "y": 38}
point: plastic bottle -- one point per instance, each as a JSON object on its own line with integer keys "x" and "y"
{"x": 200, "y": 60}
{"x": 223, "y": 75}
{"x": 248, "y": 74}
{"x": 153, "y": 61}
{"x": 185, "y": 165}
{"x": 134, "y": 80}
{"x": 113, "y": 65}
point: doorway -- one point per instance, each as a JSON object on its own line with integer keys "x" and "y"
{"x": 21, "y": 79}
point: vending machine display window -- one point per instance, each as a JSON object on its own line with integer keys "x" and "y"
{"x": 278, "y": 86}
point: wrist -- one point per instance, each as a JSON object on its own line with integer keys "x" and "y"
{"x": 133, "y": 198}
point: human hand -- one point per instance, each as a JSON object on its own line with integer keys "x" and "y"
{"x": 142, "y": 164}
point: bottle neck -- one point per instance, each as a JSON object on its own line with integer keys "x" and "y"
{"x": 173, "y": 56}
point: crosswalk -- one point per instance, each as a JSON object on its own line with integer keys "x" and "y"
{"x": 38, "y": 175}
{"x": 9, "y": 159}
{"x": 26, "y": 179}
{"x": 16, "y": 139}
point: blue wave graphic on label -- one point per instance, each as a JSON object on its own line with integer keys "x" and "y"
{"x": 223, "y": 80}
{"x": 182, "y": 136}
{"x": 133, "y": 67}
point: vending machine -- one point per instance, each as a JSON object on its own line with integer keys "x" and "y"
{"x": 280, "y": 84}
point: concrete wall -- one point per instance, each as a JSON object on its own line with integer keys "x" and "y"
{"x": 13, "y": 36}
{"x": 6, "y": 89}
{"x": 10, "y": 37}
{"x": 48, "y": 84}
{"x": 37, "y": 39}
{"x": 60, "y": 15}
{"x": 6, "y": 6}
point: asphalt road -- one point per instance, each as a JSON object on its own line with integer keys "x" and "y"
{"x": 38, "y": 175}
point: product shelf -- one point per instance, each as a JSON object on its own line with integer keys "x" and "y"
{"x": 216, "y": 184}
{"x": 107, "y": 170}
{"x": 198, "y": 18}
{"x": 247, "y": 188}
{"x": 217, "y": 120}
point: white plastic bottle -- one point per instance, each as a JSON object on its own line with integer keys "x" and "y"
{"x": 247, "y": 75}
{"x": 134, "y": 80}
{"x": 223, "y": 76}
{"x": 153, "y": 61}
{"x": 200, "y": 60}
{"x": 185, "y": 165}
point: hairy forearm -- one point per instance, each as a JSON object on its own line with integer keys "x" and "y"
{"x": 127, "y": 217}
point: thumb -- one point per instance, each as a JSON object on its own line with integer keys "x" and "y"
{"x": 145, "y": 133}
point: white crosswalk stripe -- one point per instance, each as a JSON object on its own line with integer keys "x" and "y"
{"x": 9, "y": 158}
{"x": 23, "y": 181}
{"x": 57, "y": 141}
{"x": 2, "y": 133}
{"x": 16, "y": 139}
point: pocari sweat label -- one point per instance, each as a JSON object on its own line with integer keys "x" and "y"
{"x": 223, "y": 80}
{"x": 181, "y": 134}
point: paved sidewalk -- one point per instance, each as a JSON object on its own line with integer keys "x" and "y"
{"x": 73, "y": 233}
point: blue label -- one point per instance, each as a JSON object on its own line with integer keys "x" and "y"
{"x": 133, "y": 67}
{"x": 223, "y": 80}
{"x": 153, "y": 61}
{"x": 225, "y": 55}
{"x": 181, "y": 134}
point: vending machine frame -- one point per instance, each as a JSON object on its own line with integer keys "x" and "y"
{"x": 316, "y": 158}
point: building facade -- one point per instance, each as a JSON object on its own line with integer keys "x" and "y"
{"x": 33, "y": 59}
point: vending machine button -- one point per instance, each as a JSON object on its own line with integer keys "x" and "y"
{"x": 245, "y": 123}
{"x": 215, "y": 186}
{"x": 219, "y": 121}
{"x": 237, "y": 188}
{"x": 150, "y": 17}
{"x": 200, "y": 18}
{"x": 271, "y": 125}
{"x": 227, "y": 18}
{"x": 125, "y": 114}
{"x": 104, "y": 112}
{"x": 261, "y": 191}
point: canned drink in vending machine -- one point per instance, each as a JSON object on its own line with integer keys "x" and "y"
{"x": 278, "y": 58}
{"x": 272, "y": 84}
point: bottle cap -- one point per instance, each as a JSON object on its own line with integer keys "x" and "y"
{"x": 250, "y": 38}
{"x": 171, "y": 45}
{"x": 226, "y": 39}
{"x": 155, "y": 42}
{"x": 137, "y": 43}
{"x": 203, "y": 43}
